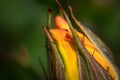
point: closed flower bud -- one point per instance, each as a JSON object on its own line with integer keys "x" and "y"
{"x": 78, "y": 55}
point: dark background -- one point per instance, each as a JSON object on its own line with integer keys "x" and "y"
{"x": 22, "y": 40}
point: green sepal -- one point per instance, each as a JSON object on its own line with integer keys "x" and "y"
{"x": 101, "y": 47}
{"x": 57, "y": 65}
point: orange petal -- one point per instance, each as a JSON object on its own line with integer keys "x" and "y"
{"x": 61, "y": 23}
{"x": 58, "y": 34}
{"x": 83, "y": 38}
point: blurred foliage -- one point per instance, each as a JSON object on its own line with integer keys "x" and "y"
{"x": 21, "y": 23}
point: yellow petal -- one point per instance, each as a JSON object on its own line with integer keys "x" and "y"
{"x": 102, "y": 61}
{"x": 68, "y": 52}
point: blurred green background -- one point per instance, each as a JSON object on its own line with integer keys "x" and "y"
{"x": 22, "y": 40}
